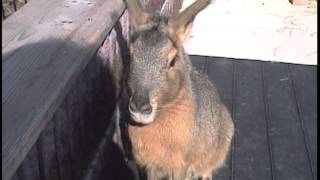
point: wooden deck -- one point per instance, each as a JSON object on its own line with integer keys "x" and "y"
{"x": 274, "y": 108}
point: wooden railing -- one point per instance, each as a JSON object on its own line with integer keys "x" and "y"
{"x": 45, "y": 46}
{"x": 11, "y": 6}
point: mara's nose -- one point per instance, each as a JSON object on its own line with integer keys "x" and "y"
{"x": 140, "y": 104}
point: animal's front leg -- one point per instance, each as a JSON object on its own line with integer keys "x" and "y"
{"x": 180, "y": 174}
{"x": 155, "y": 173}
{"x": 206, "y": 177}
{"x": 152, "y": 174}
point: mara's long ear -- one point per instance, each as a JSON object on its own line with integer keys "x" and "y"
{"x": 180, "y": 26}
{"x": 138, "y": 17}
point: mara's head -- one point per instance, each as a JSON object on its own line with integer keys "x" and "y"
{"x": 158, "y": 70}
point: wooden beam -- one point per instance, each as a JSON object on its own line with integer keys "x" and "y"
{"x": 27, "y": 16}
{"x": 43, "y": 54}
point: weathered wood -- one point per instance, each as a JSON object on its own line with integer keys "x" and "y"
{"x": 81, "y": 98}
{"x": 77, "y": 148}
{"x": 89, "y": 108}
{"x": 289, "y": 153}
{"x": 62, "y": 135}
{"x": 47, "y": 153}
{"x": 112, "y": 54}
{"x": 21, "y": 20}
{"x": 217, "y": 68}
{"x": 251, "y": 125}
{"x": 40, "y": 65}
{"x": 29, "y": 168}
{"x": 304, "y": 79}
{"x": 15, "y": 177}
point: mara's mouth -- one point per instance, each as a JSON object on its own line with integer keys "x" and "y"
{"x": 142, "y": 118}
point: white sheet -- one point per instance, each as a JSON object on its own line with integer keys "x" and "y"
{"x": 268, "y": 30}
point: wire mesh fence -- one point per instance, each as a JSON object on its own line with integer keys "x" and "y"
{"x": 11, "y": 6}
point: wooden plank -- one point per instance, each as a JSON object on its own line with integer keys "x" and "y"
{"x": 198, "y": 63}
{"x": 62, "y": 135}
{"x": 91, "y": 107}
{"x": 29, "y": 168}
{"x": 81, "y": 93}
{"x": 84, "y": 114}
{"x": 288, "y": 150}
{"x": 77, "y": 148}
{"x": 220, "y": 73}
{"x": 15, "y": 177}
{"x": 251, "y": 155}
{"x": 89, "y": 116}
{"x": 40, "y": 66}
{"x": 27, "y": 16}
{"x": 98, "y": 107}
{"x": 305, "y": 86}
{"x": 108, "y": 159}
{"x": 47, "y": 151}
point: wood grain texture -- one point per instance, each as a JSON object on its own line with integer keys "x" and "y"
{"x": 47, "y": 153}
{"x": 40, "y": 65}
{"x": 89, "y": 107}
{"x": 29, "y": 168}
{"x": 290, "y": 156}
{"x": 92, "y": 100}
{"x": 62, "y": 135}
{"x": 304, "y": 84}
{"x": 251, "y": 125}
{"x": 15, "y": 177}
{"x": 21, "y": 20}
{"x": 77, "y": 148}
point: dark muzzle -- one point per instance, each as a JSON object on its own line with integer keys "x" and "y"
{"x": 140, "y": 103}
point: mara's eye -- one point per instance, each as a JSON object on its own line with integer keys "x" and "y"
{"x": 172, "y": 57}
{"x": 172, "y": 62}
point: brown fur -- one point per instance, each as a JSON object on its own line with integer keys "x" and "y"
{"x": 206, "y": 161}
{"x": 163, "y": 142}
